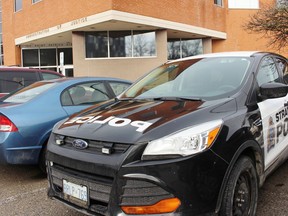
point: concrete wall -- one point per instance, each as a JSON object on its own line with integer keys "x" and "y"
{"x": 126, "y": 68}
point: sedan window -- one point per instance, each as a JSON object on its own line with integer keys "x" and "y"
{"x": 118, "y": 87}
{"x": 85, "y": 93}
{"x": 29, "y": 92}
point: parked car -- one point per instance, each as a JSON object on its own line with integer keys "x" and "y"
{"x": 195, "y": 136}
{"x": 28, "y": 115}
{"x": 13, "y": 78}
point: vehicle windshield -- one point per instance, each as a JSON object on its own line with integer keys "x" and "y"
{"x": 208, "y": 78}
{"x": 29, "y": 92}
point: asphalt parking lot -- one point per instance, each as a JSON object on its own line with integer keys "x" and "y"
{"x": 23, "y": 192}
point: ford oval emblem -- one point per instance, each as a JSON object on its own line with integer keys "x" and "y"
{"x": 79, "y": 144}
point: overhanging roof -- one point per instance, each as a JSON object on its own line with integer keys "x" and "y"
{"x": 117, "y": 21}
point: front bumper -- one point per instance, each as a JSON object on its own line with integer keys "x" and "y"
{"x": 195, "y": 181}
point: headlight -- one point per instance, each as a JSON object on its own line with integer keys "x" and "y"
{"x": 183, "y": 143}
{"x": 59, "y": 139}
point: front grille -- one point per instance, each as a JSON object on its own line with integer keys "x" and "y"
{"x": 99, "y": 186}
{"x": 138, "y": 192}
{"x": 96, "y": 146}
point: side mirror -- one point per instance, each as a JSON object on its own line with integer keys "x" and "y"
{"x": 273, "y": 90}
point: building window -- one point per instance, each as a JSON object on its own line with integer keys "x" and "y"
{"x": 17, "y": 5}
{"x": 247, "y": 4}
{"x": 218, "y": 2}
{"x": 144, "y": 44}
{"x": 35, "y": 1}
{"x": 120, "y": 44}
{"x": 180, "y": 48}
{"x": 111, "y": 44}
{"x": 281, "y": 3}
{"x": 46, "y": 58}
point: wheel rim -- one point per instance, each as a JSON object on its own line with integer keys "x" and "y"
{"x": 242, "y": 196}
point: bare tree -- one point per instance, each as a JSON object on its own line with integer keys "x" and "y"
{"x": 272, "y": 22}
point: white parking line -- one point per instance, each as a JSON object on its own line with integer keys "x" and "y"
{"x": 14, "y": 198}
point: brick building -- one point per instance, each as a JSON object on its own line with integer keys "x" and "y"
{"x": 122, "y": 38}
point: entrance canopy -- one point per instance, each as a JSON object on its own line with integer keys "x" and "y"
{"x": 113, "y": 21}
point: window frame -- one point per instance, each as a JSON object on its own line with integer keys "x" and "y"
{"x": 132, "y": 45}
{"x": 218, "y": 3}
{"x": 36, "y": 1}
{"x": 232, "y": 4}
{"x": 181, "y": 44}
{"x": 16, "y": 2}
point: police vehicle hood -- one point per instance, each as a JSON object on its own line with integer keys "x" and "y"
{"x": 138, "y": 121}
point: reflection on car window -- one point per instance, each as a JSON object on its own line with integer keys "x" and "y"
{"x": 49, "y": 76}
{"x": 118, "y": 87}
{"x": 267, "y": 72}
{"x": 283, "y": 67}
{"x": 198, "y": 78}
{"x": 85, "y": 93}
{"x": 29, "y": 92}
{"x": 10, "y": 81}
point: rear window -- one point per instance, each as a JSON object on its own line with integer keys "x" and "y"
{"x": 49, "y": 76}
{"x": 10, "y": 81}
{"x": 29, "y": 92}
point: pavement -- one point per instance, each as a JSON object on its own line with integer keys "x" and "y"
{"x": 23, "y": 192}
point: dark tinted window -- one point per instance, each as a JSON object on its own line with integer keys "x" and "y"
{"x": 48, "y": 57}
{"x": 96, "y": 44}
{"x": 30, "y": 57}
{"x": 68, "y": 59}
{"x": 10, "y": 81}
{"x": 49, "y": 76}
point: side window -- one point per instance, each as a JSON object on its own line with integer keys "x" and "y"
{"x": 99, "y": 93}
{"x": 283, "y": 68}
{"x": 84, "y": 93}
{"x": 118, "y": 87}
{"x": 49, "y": 76}
{"x": 10, "y": 81}
{"x": 267, "y": 71}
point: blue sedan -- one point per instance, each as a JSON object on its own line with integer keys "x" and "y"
{"x": 28, "y": 115}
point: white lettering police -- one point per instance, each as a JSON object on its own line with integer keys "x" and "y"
{"x": 112, "y": 121}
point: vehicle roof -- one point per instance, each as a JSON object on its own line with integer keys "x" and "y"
{"x": 21, "y": 69}
{"x": 84, "y": 78}
{"x": 223, "y": 54}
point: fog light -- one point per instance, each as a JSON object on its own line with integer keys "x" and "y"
{"x": 163, "y": 206}
{"x": 59, "y": 140}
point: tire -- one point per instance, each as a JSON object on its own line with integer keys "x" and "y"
{"x": 42, "y": 159}
{"x": 241, "y": 192}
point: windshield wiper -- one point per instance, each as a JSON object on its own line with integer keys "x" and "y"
{"x": 178, "y": 99}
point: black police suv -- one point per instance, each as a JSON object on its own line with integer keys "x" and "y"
{"x": 195, "y": 136}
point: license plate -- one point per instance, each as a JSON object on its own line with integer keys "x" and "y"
{"x": 75, "y": 193}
